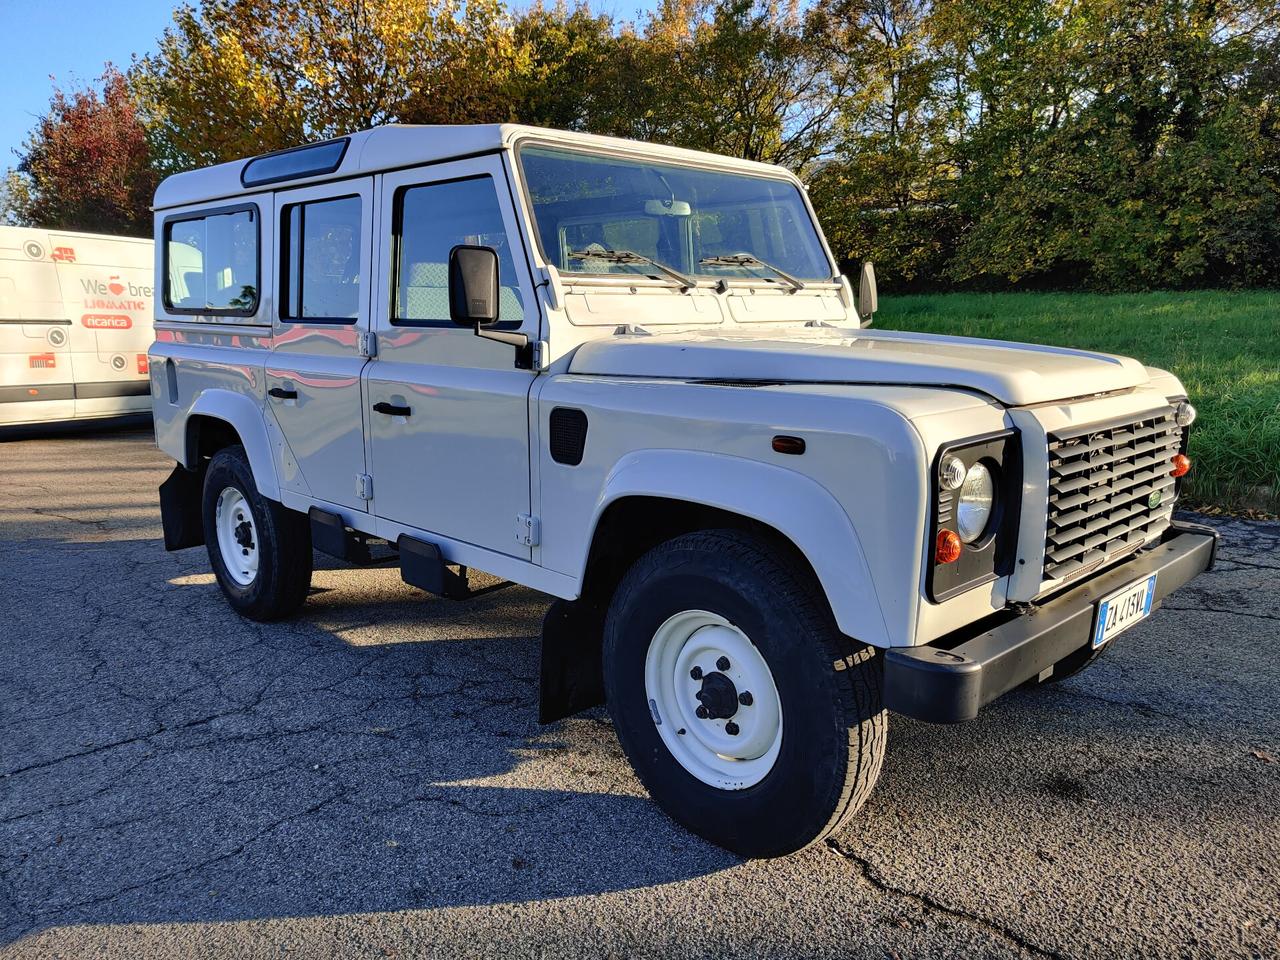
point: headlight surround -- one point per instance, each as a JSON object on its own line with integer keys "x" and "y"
{"x": 975, "y": 503}
{"x": 976, "y": 489}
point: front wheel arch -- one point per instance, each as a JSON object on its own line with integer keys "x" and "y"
{"x": 571, "y": 678}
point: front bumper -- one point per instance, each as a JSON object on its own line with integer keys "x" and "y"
{"x": 951, "y": 679}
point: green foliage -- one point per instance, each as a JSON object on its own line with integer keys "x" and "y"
{"x": 1222, "y": 345}
{"x": 15, "y": 199}
{"x": 981, "y": 144}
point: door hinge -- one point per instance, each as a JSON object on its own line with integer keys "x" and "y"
{"x": 540, "y": 354}
{"x": 367, "y": 344}
{"x": 364, "y": 486}
{"x": 528, "y": 530}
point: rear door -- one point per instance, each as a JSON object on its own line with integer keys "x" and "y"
{"x": 322, "y": 268}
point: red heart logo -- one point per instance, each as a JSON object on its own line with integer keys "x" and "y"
{"x": 116, "y": 287}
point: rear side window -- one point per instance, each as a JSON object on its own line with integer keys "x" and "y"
{"x": 433, "y": 219}
{"x": 320, "y": 261}
{"x": 211, "y": 262}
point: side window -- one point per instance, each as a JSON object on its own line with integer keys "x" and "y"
{"x": 432, "y": 220}
{"x": 320, "y": 261}
{"x": 211, "y": 263}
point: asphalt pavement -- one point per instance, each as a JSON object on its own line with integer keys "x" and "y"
{"x": 370, "y": 779}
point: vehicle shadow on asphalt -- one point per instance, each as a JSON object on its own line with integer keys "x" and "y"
{"x": 165, "y": 760}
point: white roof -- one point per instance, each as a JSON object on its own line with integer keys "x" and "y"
{"x": 395, "y": 145}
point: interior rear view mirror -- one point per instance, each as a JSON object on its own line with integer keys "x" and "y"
{"x": 668, "y": 208}
{"x": 473, "y": 286}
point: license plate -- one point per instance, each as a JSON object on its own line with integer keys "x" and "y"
{"x": 1120, "y": 611}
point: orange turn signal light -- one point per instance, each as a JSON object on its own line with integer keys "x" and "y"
{"x": 948, "y": 548}
{"x": 1181, "y": 465}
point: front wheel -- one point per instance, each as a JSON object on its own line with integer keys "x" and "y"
{"x": 745, "y": 712}
{"x": 260, "y": 550}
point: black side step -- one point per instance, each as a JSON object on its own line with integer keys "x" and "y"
{"x": 423, "y": 566}
{"x": 329, "y": 534}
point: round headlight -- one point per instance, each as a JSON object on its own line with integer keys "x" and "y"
{"x": 1185, "y": 414}
{"x": 973, "y": 506}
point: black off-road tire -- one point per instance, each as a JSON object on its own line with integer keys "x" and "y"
{"x": 834, "y": 725}
{"x": 283, "y": 578}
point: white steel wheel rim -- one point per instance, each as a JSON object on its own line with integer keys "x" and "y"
{"x": 237, "y": 536}
{"x": 697, "y": 642}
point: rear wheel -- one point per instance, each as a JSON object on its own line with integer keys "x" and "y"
{"x": 260, "y": 550}
{"x": 745, "y": 712}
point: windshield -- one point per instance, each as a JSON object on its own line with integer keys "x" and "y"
{"x": 601, "y": 214}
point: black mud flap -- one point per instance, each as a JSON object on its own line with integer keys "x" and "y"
{"x": 180, "y": 512}
{"x": 572, "y": 677}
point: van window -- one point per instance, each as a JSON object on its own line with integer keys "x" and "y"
{"x": 432, "y": 220}
{"x": 211, "y": 263}
{"x": 320, "y": 261}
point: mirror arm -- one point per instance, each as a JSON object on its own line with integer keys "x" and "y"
{"x": 524, "y": 349}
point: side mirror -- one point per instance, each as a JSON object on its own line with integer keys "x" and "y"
{"x": 474, "y": 294}
{"x": 868, "y": 299}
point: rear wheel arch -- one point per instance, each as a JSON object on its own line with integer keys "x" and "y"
{"x": 206, "y": 435}
{"x": 222, "y": 418}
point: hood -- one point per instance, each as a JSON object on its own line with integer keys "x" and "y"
{"x": 1015, "y": 374}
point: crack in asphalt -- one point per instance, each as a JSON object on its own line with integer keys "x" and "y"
{"x": 868, "y": 874}
{"x": 1202, "y": 608}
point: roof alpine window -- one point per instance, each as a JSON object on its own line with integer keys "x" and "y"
{"x": 296, "y": 162}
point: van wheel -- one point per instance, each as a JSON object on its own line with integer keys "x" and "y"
{"x": 260, "y": 550}
{"x": 745, "y": 712}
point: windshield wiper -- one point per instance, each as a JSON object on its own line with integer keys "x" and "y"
{"x": 630, "y": 256}
{"x": 748, "y": 260}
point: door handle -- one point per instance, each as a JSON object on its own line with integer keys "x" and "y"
{"x": 282, "y": 394}
{"x": 392, "y": 409}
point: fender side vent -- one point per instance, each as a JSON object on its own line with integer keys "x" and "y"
{"x": 568, "y": 435}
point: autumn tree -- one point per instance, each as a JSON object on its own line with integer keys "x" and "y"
{"x": 87, "y": 163}
{"x": 977, "y": 143}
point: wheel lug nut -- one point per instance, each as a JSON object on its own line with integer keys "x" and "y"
{"x": 722, "y": 663}
{"x": 745, "y": 698}
{"x": 731, "y": 728}
{"x": 696, "y": 673}
{"x": 698, "y": 695}
{"x": 701, "y": 712}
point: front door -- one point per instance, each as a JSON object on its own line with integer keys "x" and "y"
{"x": 448, "y": 411}
{"x": 322, "y": 266}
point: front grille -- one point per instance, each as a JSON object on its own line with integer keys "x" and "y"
{"x": 1102, "y": 486}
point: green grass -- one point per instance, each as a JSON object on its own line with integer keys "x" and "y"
{"x": 1224, "y": 346}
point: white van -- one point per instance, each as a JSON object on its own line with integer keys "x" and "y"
{"x": 633, "y": 377}
{"x": 75, "y": 325}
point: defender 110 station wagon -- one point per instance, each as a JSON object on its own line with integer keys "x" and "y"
{"x": 632, "y": 377}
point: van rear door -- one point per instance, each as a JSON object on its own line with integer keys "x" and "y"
{"x": 35, "y": 359}
{"x": 323, "y": 266}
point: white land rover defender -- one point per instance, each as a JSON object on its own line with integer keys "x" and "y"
{"x": 632, "y": 377}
